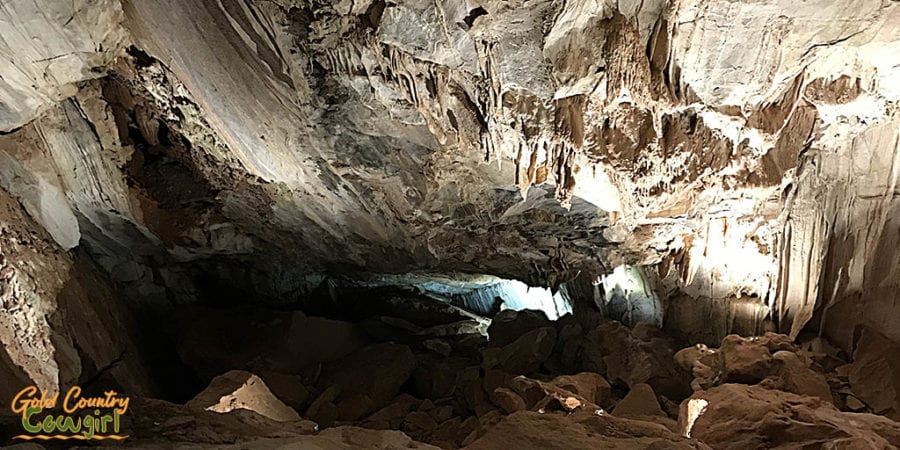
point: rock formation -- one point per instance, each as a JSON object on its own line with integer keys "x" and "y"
{"x": 463, "y": 220}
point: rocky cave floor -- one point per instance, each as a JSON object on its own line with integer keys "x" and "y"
{"x": 398, "y": 368}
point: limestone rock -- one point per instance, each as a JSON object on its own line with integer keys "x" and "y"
{"x": 874, "y": 375}
{"x": 436, "y": 377}
{"x": 342, "y": 438}
{"x": 287, "y": 388}
{"x": 77, "y": 42}
{"x": 161, "y": 423}
{"x": 508, "y": 325}
{"x": 578, "y": 431}
{"x": 640, "y": 401}
{"x": 771, "y": 360}
{"x": 213, "y": 341}
{"x": 589, "y": 385}
{"x": 62, "y": 320}
{"x": 626, "y": 357}
{"x": 744, "y": 360}
{"x": 242, "y": 390}
{"x": 792, "y": 374}
{"x": 508, "y": 400}
{"x": 541, "y": 396}
{"x": 368, "y": 379}
{"x": 770, "y": 419}
{"x": 524, "y": 355}
{"x": 620, "y": 132}
{"x": 392, "y": 415}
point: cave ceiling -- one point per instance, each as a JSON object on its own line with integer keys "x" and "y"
{"x": 734, "y": 149}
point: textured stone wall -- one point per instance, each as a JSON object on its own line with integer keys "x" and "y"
{"x": 745, "y": 153}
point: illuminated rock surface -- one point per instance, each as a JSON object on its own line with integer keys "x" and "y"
{"x": 340, "y": 197}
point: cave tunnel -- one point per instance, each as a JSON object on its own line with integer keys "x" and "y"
{"x": 455, "y": 224}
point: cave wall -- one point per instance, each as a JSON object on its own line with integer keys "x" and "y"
{"x": 63, "y": 322}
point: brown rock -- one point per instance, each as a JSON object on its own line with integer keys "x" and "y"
{"x": 581, "y": 430}
{"x": 875, "y": 373}
{"x": 794, "y": 375}
{"x": 744, "y": 360}
{"x": 160, "y": 424}
{"x": 436, "y": 377}
{"x": 626, "y": 357}
{"x": 323, "y": 409}
{"x": 771, "y": 359}
{"x": 394, "y": 413}
{"x": 369, "y": 379}
{"x": 854, "y": 404}
{"x": 509, "y": 325}
{"x": 589, "y": 385}
{"x": 242, "y": 390}
{"x": 525, "y": 355}
{"x": 545, "y": 396}
{"x": 736, "y": 416}
{"x": 508, "y": 400}
{"x": 442, "y": 413}
{"x": 640, "y": 401}
{"x": 288, "y": 388}
{"x": 570, "y": 337}
{"x": 213, "y": 341}
{"x": 418, "y": 423}
{"x": 688, "y": 357}
{"x": 337, "y": 438}
{"x": 470, "y": 391}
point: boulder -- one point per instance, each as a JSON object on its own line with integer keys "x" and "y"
{"x": 589, "y": 385}
{"x": 392, "y": 415}
{"x": 772, "y": 360}
{"x": 744, "y": 360}
{"x": 524, "y": 355}
{"x": 470, "y": 391}
{"x": 539, "y": 395}
{"x": 792, "y": 373}
{"x": 640, "y": 401}
{"x": 570, "y": 338}
{"x": 508, "y": 400}
{"x": 368, "y": 379}
{"x": 703, "y": 363}
{"x": 737, "y": 416}
{"x": 875, "y": 373}
{"x": 581, "y": 430}
{"x": 242, "y": 390}
{"x": 160, "y": 424}
{"x": 435, "y": 377}
{"x": 337, "y": 438}
{"x": 614, "y": 350}
{"x": 419, "y": 423}
{"x": 593, "y": 351}
{"x": 508, "y": 325}
{"x": 213, "y": 341}
{"x": 322, "y": 409}
{"x": 288, "y": 388}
